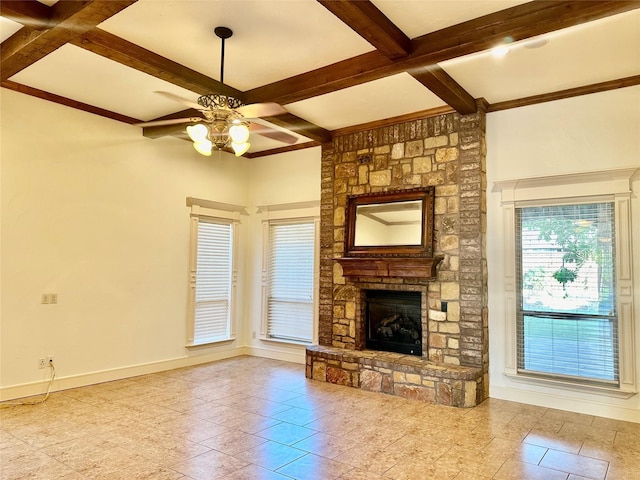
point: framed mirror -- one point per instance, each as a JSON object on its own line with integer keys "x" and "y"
{"x": 398, "y": 223}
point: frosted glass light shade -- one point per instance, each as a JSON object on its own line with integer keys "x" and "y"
{"x": 239, "y": 133}
{"x": 204, "y": 147}
{"x": 198, "y": 133}
{"x": 240, "y": 148}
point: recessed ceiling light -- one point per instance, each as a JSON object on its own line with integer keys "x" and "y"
{"x": 536, "y": 43}
{"x": 500, "y": 51}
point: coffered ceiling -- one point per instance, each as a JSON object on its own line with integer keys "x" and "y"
{"x": 334, "y": 65}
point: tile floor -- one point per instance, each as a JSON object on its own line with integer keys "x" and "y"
{"x": 251, "y": 419}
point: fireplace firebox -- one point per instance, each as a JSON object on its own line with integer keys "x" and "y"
{"x": 394, "y": 321}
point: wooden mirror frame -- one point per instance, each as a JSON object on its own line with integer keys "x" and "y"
{"x": 425, "y": 249}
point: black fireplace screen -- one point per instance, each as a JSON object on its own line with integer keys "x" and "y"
{"x": 393, "y": 320}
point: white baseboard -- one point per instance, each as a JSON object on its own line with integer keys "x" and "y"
{"x": 562, "y": 402}
{"x": 91, "y": 378}
{"x": 294, "y": 355}
{"x": 297, "y": 356}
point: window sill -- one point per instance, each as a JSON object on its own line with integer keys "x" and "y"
{"x": 286, "y": 342}
{"x": 194, "y": 346}
{"x": 576, "y": 387}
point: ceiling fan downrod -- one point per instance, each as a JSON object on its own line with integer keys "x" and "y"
{"x": 223, "y": 33}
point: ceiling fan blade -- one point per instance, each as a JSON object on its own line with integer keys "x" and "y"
{"x": 178, "y": 98}
{"x": 263, "y": 128}
{"x": 261, "y": 110}
{"x": 171, "y": 121}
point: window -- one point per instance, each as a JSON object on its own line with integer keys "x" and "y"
{"x": 213, "y": 282}
{"x": 213, "y": 277}
{"x": 567, "y": 324}
{"x": 568, "y": 282}
{"x": 290, "y": 272}
{"x": 291, "y": 286}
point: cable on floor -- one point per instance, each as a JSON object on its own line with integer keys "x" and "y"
{"x": 38, "y": 401}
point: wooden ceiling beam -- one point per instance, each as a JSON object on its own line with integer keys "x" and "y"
{"x": 60, "y": 100}
{"x": 131, "y": 55}
{"x": 65, "y": 21}
{"x": 445, "y": 87}
{"x": 27, "y": 13}
{"x": 370, "y": 23}
{"x": 300, "y": 126}
{"x": 513, "y": 24}
{"x": 568, "y": 93}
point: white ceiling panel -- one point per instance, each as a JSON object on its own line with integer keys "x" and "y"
{"x": 271, "y": 40}
{"x": 385, "y": 98}
{"x": 416, "y": 17}
{"x": 591, "y": 53}
{"x": 8, "y": 28}
{"x": 85, "y": 77}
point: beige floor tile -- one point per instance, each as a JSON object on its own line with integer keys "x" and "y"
{"x": 584, "y": 432}
{"x": 233, "y": 442}
{"x": 552, "y": 414}
{"x": 328, "y": 446}
{"x": 254, "y": 472}
{"x": 286, "y": 433}
{"x": 623, "y": 472}
{"x": 371, "y": 458}
{"x": 628, "y": 441}
{"x": 209, "y": 465}
{"x": 412, "y": 468}
{"x": 271, "y": 455}
{"x": 515, "y": 470}
{"x": 313, "y": 467}
{"x": 426, "y": 449}
{"x": 22, "y": 461}
{"x": 247, "y": 422}
{"x": 358, "y": 474}
{"x": 617, "y": 425}
{"x": 576, "y": 464}
{"x": 512, "y": 450}
{"x": 297, "y": 416}
{"x": 472, "y": 462}
{"x": 555, "y": 441}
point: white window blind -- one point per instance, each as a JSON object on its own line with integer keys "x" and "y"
{"x": 567, "y": 320}
{"x": 290, "y": 300}
{"x": 212, "y": 282}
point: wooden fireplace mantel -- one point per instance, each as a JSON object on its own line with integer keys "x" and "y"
{"x": 414, "y": 267}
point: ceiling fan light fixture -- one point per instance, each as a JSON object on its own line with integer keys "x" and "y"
{"x": 239, "y": 132}
{"x": 198, "y": 133}
{"x": 240, "y": 148}
{"x": 203, "y": 147}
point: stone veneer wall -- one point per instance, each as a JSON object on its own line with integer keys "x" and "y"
{"x": 445, "y": 151}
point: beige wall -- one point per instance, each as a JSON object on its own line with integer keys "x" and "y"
{"x": 96, "y": 213}
{"x": 588, "y": 133}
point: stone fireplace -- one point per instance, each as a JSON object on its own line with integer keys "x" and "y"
{"x": 446, "y": 152}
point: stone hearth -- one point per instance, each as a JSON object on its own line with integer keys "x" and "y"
{"x": 447, "y": 152}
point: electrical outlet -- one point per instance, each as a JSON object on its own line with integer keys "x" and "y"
{"x": 254, "y": 334}
{"x": 42, "y": 363}
{"x": 50, "y": 359}
{"x": 53, "y": 298}
{"x": 45, "y": 299}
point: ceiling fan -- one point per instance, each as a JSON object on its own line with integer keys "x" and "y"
{"x": 226, "y": 122}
